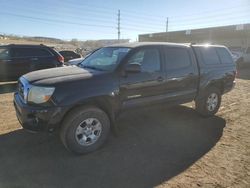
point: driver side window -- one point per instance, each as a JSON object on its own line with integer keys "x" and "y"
{"x": 149, "y": 59}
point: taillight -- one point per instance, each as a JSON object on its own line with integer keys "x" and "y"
{"x": 60, "y": 58}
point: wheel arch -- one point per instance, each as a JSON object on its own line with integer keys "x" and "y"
{"x": 104, "y": 103}
{"x": 212, "y": 83}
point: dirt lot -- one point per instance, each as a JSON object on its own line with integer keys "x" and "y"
{"x": 156, "y": 147}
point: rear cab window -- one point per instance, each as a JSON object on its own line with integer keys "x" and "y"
{"x": 30, "y": 52}
{"x": 224, "y": 55}
{"x": 209, "y": 55}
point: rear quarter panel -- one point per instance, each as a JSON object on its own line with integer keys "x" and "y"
{"x": 218, "y": 75}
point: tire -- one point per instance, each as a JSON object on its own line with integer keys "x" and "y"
{"x": 85, "y": 129}
{"x": 206, "y": 105}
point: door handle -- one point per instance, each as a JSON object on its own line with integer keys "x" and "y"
{"x": 160, "y": 79}
{"x": 6, "y": 60}
{"x": 34, "y": 59}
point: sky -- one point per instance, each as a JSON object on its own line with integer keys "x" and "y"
{"x": 98, "y": 19}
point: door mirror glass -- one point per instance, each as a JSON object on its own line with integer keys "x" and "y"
{"x": 133, "y": 68}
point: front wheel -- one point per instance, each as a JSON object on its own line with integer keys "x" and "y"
{"x": 209, "y": 104}
{"x": 85, "y": 129}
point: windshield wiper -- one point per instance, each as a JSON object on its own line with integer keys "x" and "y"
{"x": 90, "y": 67}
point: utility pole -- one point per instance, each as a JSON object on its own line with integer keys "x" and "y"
{"x": 119, "y": 28}
{"x": 167, "y": 25}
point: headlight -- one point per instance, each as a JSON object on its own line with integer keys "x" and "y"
{"x": 40, "y": 95}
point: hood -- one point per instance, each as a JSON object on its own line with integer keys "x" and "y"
{"x": 75, "y": 61}
{"x": 59, "y": 75}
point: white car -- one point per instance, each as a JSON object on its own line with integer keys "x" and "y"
{"x": 245, "y": 59}
{"x": 236, "y": 55}
{"x": 75, "y": 61}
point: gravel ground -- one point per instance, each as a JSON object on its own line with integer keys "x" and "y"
{"x": 156, "y": 147}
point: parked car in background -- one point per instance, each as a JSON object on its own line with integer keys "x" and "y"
{"x": 79, "y": 60}
{"x": 84, "y": 101}
{"x": 68, "y": 55}
{"x": 16, "y": 60}
{"x": 236, "y": 55}
{"x": 75, "y": 61}
{"x": 236, "y": 52}
{"x": 244, "y": 61}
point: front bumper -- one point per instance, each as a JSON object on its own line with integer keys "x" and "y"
{"x": 38, "y": 118}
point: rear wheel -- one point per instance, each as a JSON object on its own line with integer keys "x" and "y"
{"x": 209, "y": 104}
{"x": 85, "y": 129}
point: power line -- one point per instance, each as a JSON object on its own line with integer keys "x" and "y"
{"x": 90, "y": 12}
{"x": 131, "y": 21}
{"x": 100, "y": 18}
{"x": 135, "y": 13}
{"x": 212, "y": 19}
{"x": 145, "y": 15}
{"x": 140, "y": 25}
{"x": 55, "y": 20}
{"x": 139, "y": 21}
{"x": 235, "y": 13}
{"x": 59, "y": 25}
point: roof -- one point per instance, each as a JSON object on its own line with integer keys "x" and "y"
{"x": 141, "y": 44}
{"x": 208, "y": 45}
{"x": 24, "y": 45}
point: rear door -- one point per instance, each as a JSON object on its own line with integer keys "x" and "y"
{"x": 145, "y": 87}
{"x": 181, "y": 73}
{"x": 27, "y": 59}
{"x": 21, "y": 60}
{"x": 5, "y": 63}
{"x": 42, "y": 58}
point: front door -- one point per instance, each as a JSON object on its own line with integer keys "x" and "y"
{"x": 144, "y": 87}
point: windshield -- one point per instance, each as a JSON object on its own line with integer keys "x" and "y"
{"x": 105, "y": 59}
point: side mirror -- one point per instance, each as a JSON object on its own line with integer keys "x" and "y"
{"x": 133, "y": 68}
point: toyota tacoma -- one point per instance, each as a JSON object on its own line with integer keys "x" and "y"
{"x": 83, "y": 102}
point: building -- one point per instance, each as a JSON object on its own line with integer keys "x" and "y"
{"x": 234, "y": 36}
{"x": 3, "y": 37}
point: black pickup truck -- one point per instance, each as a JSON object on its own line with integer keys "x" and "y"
{"x": 84, "y": 101}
